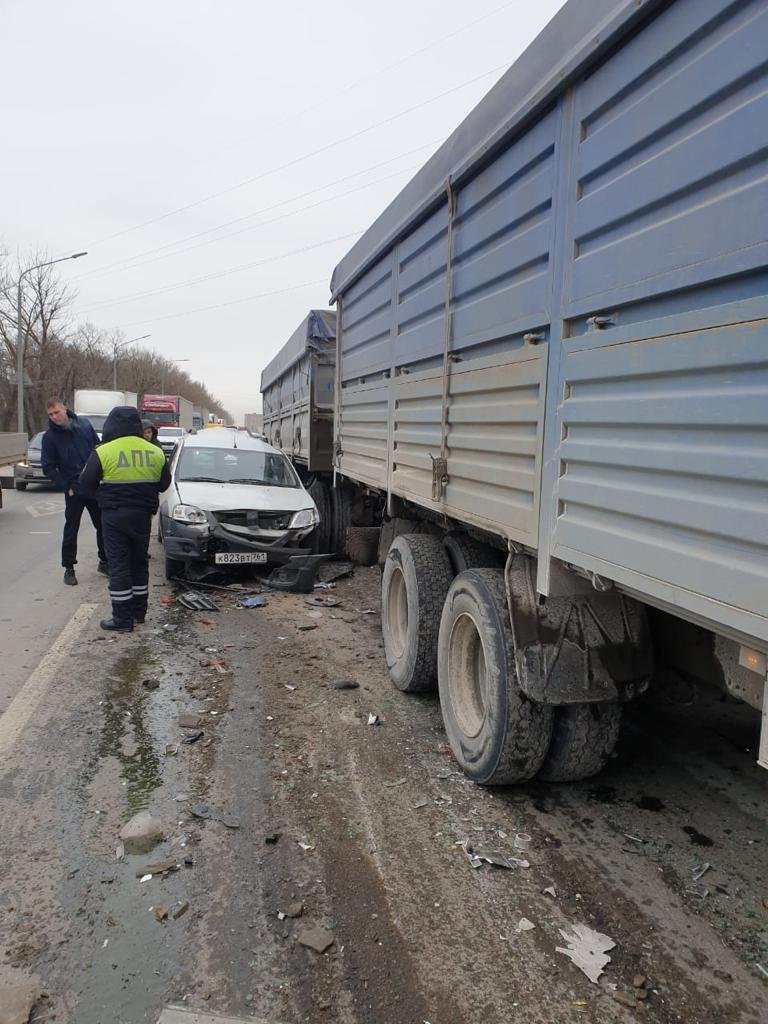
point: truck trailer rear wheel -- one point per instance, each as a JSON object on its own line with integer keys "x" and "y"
{"x": 363, "y": 544}
{"x": 583, "y": 738}
{"x": 497, "y": 734}
{"x": 467, "y": 553}
{"x": 319, "y": 493}
{"x": 341, "y": 516}
{"x": 416, "y": 578}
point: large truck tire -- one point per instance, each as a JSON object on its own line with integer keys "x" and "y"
{"x": 341, "y": 516}
{"x": 363, "y": 544}
{"x": 467, "y": 553}
{"x": 497, "y": 735}
{"x": 415, "y": 581}
{"x": 583, "y": 738}
{"x": 320, "y": 494}
{"x": 21, "y": 485}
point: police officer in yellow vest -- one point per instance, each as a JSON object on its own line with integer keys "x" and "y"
{"x": 127, "y": 474}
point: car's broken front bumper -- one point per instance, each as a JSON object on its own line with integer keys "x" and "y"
{"x": 188, "y": 543}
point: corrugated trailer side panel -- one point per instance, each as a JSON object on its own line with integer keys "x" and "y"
{"x": 612, "y": 261}
{"x": 393, "y": 345}
{"x": 662, "y": 414}
{"x": 298, "y": 393}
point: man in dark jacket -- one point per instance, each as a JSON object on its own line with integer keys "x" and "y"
{"x": 67, "y": 443}
{"x": 127, "y": 474}
{"x": 149, "y": 431}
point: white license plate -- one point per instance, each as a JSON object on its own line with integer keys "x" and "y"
{"x": 239, "y": 557}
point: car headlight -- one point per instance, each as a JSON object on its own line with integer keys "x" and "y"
{"x": 189, "y": 514}
{"x": 307, "y": 517}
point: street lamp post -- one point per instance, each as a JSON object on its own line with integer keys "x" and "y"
{"x": 162, "y": 372}
{"x": 115, "y": 347}
{"x": 21, "y": 339}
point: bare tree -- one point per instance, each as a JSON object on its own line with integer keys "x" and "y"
{"x": 59, "y": 358}
{"x": 45, "y": 306}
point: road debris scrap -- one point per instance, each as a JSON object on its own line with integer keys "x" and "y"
{"x": 587, "y": 949}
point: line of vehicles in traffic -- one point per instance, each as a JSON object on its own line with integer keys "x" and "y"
{"x": 172, "y": 415}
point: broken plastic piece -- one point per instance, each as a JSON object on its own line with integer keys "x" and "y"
{"x": 252, "y": 602}
{"x": 373, "y": 719}
{"x": 197, "y": 602}
{"x": 587, "y": 949}
{"x": 331, "y": 571}
{"x": 298, "y": 574}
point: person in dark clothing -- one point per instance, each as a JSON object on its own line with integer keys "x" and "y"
{"x": 127, "y": 474}
{"x": 67, "y": 443}
{"x": 149, "y": 430}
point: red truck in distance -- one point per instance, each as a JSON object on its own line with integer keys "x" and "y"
{"x": 167, "y": 411}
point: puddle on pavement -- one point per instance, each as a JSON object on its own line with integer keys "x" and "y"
{"x": 126, "y": 733}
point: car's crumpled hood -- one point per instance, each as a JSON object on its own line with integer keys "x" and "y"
{"x": 224, "y": 497}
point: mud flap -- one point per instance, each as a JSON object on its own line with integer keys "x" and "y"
{"x": 578, "y": 644}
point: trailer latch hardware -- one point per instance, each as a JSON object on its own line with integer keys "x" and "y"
{"x": 600, "y": 583}
{"x": 533, "y": 337}
{"x": 439, "y": 477}
{"x": 337, "y": 450}
{"x": 599, "y": 323}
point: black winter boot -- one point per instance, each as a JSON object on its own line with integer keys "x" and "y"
{"x": 116, "y": 627}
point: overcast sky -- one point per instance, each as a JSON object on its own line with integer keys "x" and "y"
{"x": 118, "y": 114}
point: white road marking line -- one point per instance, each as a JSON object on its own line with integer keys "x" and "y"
{"x": 40, "y": 533}
{"x": 181, "y": 1015}
{"x": 25, "y": 703}
{"x": 45, "y": 508}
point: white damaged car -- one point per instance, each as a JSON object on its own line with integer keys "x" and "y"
{"x": 233, "y": 500}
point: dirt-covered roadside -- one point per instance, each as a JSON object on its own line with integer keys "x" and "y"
{"x": 354, "y": 828}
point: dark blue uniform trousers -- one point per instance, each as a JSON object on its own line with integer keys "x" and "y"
{"x": 74, "y": 506}
{"x": 126, "y": 539}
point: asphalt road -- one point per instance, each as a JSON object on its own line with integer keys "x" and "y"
{"x": 320, "y": 827}
{"x": 34, "y": 603}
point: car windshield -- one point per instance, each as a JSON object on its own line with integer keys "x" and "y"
{"x": 97, "y": 422}
{"x": 169, "y": 432}
{"x": 235, "y": 466}
{"x": 37, "y": 440}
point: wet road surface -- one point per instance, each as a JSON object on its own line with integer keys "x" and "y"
{"x": 34, "y": 606}
{"x": 356, "y": 827}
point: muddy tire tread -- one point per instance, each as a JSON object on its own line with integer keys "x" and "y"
{"x": 583, "y": 738}
{"x": 363, "y": 544}
{"x": 433, "y": 574}
{"x": 465, "y": 553}
{"x": 318, "y": 492}
{"x": 341, "y": 517}
{"x": 527, "y": 726}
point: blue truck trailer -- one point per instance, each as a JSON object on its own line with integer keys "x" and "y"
{"x": 552, "y": 367}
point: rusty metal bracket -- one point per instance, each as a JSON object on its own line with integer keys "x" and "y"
{"x": 439, "y": 476}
